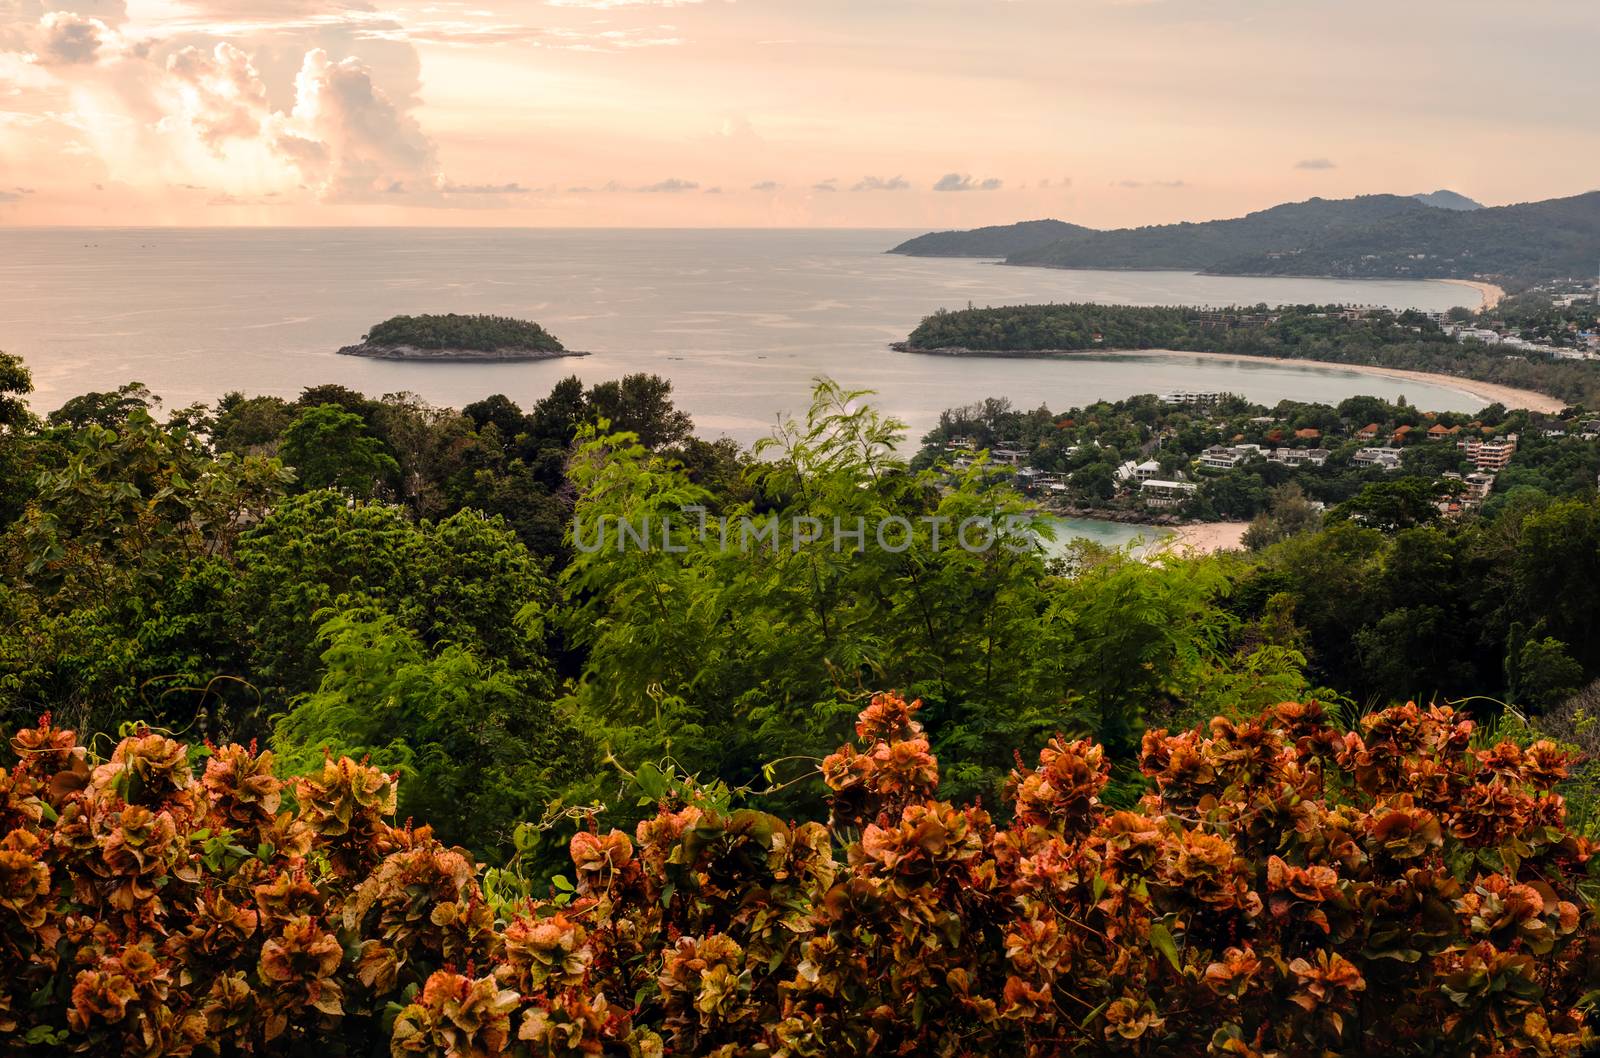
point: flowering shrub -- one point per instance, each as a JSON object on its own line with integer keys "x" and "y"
{"x": 1282, "y": 889}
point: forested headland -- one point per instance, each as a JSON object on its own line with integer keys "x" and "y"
{"x": 1328, "y": 333}
{"x": 324, "y": 733}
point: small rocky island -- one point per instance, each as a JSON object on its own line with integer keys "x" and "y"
{"x": 455, "y": 337}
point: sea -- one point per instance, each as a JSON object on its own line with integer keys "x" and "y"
{"x": 741, "y": 321}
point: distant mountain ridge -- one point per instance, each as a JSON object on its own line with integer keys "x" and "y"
{"x": 1369, "y": 237}
{"x": 1443, "y": 199}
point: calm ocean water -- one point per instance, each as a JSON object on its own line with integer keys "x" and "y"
{"x": 741, "y": 321}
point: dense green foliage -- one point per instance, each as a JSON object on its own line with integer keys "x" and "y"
{"x": 1387, "y": 598}
{"x": 1406, "y": 340}
{"x": 456, "y": 331}
{"x": 1373, "y": 236}
{"x": 420, "y": 593}
{"x": 749, "y": 656}
{"x": 532, "y": 619}
{"x": 375, "y": 576}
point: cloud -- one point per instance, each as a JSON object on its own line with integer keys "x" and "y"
{"x": 608, "y": 5}
{"x": 876, "y": 183}
{"x": 10, "y": 196}
{"x": 765, "y": 185}
{"x": 713, "y": 190}
{"x": 70, "y": 39}
{"x": 672, "y": 185}
{"x": 830, "y": 184}
{"x": 252, "y": 9}
{"x": 1316, "y": 163}
{"x": 225, "y": 199}
{"x": 482, "y": 33}
{"x": 343, "y": 137}
{"x": 961, "y": 182}
{"x": 223, "y": 94}
{"x": 485, "y": 189}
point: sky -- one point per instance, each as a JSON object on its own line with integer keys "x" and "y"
{"x": 779, "y": 113}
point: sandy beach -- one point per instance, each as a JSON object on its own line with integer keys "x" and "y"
{"x": 1488, "y": 392}
{"x": 1492, "y": 295}
{"x": 1206, "y": 537}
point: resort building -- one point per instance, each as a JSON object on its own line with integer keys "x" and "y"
{"x": 1384, "y": 458}
{"x": 1219, "y": 458}
{"x": 1494, "y": 454}
{"x": 1158, "y": 493}
{"x": 1299, "y": 457}
{"x": 1198, "y": 400}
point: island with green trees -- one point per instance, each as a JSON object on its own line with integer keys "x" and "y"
{"x": 1526, "y": 343}
{"x": 453, "y": 337}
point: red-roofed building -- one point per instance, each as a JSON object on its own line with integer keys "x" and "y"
{"x": 1367, "y": 432}
{"x": 1308, "y": 434}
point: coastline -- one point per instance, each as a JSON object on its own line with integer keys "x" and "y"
{"x": 1205, "y": 538}
{"x": 1492, "y": 295}
{"x": 1488, "y": 392}
{"x": 412, "y": 354}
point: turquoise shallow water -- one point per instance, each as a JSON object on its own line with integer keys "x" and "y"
{"x": 741, "y": 321}
{"x": 1107, "y": 534}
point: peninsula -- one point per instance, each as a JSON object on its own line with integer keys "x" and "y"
{"x": 455, "y": 337}
{"x": 1444, "y": 346}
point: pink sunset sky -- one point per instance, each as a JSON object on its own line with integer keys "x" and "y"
{"x": 884, "y": 113}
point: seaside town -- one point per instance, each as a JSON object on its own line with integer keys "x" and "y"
{"x": 1213, "y": 456}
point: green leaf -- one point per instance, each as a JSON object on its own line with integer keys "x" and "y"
{"x": 1161, "y": 938}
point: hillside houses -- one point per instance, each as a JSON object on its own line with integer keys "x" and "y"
{"x": 1218, "y": 457}
{"x": 1299, "y": 457}
{"x": 1225, "y": 461}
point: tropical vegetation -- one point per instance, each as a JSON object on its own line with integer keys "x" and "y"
{"x": 1282, "y": 888}
{"x": 1407, "y": 340}
{"x": 456, "y": 331}
{"x": 331, "y": 729}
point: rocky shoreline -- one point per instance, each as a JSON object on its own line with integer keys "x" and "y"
{"x": 445, "y": 356}
{"x": 1119, "y": 515}
{"x": 1001, "y": 354}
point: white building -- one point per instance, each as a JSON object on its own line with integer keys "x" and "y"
{"x": 1385, "y": 458}
{"x": 1198, "y": 400}
{"x": 1299, "y": 457}
{"x": 1158, "y": 493}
